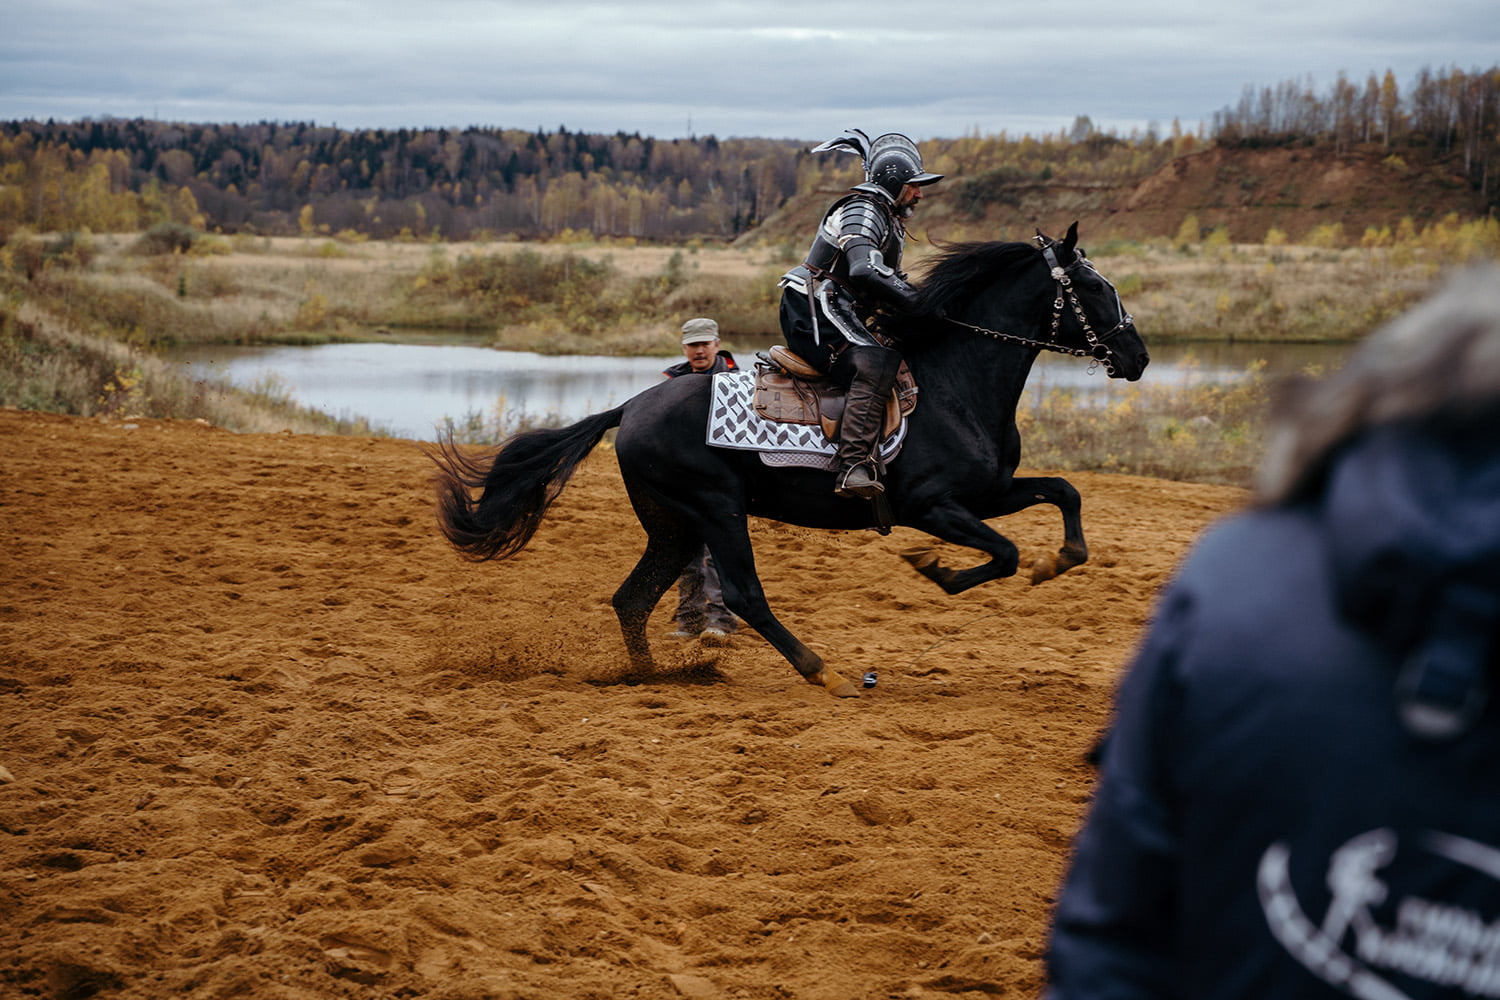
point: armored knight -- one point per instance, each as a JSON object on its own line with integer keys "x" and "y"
{"x": 854, "y": 267}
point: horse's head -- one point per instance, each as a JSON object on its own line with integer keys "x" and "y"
{"x": 1087, "y": 314}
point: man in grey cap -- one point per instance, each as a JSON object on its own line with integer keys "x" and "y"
{"x": 701, "y": 613}
{"x": 700, "y": 345}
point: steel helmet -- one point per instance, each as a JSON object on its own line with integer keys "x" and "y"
{"x": 891, "y": 161}
{"x": 894, "y": 162}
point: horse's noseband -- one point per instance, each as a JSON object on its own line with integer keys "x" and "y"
{"x": 1063, "y": 276}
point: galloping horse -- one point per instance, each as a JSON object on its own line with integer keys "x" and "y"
{"x": 986, "y": 310}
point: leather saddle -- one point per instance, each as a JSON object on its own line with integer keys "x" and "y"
{"x": 789, "y": 390}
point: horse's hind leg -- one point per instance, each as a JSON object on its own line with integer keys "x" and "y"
{"x": 954, "y": 523}
{"x": 729, "y": 542}
{"x": 667, "y": 553}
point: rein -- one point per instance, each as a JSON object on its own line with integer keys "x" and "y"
{"x": 1067, "y": 295}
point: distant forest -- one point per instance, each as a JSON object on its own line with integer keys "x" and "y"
{"x": 290, "y": 178}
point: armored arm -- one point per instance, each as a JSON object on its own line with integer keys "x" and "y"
{"x": 867, "y": 236}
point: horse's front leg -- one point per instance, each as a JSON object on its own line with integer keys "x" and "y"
{"x": 729, "y": 541}
{"x": 952, "y": 522}
{"x": 1028, "y": 492}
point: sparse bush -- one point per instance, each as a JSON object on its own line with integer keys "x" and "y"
{"x": 164, "y": 238}
{"x": 1217, "y": 242}
{"x": 1326, "y": 236}
{"x": 30, "y": 255}
{"x": 1188, "y": 233}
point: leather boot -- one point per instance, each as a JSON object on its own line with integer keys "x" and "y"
{"x": 870, "y": 373}
{"x": 859, "y": 437}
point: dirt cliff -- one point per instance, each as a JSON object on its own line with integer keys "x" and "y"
{"x": 1249, "y": 191}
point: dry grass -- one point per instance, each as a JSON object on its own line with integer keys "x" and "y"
{"x": 1267, "y": 294}
{"x": 309, "y": 290}
{"x": 240, "y": 290}
{"x": 48, "y": 364}
{"x": 1209, "y": 433}
{"x": 78, "y": 334}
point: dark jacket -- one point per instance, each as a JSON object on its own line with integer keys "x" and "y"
{"x": 723, "y": 362}
{"x": 1265, "y": 826}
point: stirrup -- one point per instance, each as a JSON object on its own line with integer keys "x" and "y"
{"x": 868, "y": 490}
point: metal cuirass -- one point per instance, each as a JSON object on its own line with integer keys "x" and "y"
{"x": 860, "y": 224}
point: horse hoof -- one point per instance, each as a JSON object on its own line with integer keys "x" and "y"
{"x": 1044, "y": 569}
{"x": 834, "y": 684}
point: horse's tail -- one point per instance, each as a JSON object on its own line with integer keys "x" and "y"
{"x": 517, "y": 484}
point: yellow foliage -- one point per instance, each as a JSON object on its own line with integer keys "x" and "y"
{"x": 1217, "y": 242}
{"x": 1327, "y": 235}
{"x": 312, "y": 312}
{"x": 1189, "y": 232}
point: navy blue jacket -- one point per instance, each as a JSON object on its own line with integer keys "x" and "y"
{"x": 1265, "y": 826}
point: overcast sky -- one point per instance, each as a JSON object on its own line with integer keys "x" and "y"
{"x": 671, "y": 68}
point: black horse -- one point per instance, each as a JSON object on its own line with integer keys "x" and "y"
{"x": 986, "y": 311}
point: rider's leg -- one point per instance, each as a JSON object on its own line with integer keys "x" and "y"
{"x": 870, "y": 374}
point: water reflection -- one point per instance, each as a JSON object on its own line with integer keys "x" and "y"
{"x": 408, "y": 389}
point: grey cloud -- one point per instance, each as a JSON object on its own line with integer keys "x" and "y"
{"x": 774, "y": 68}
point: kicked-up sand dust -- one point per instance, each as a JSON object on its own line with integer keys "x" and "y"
{"x": 264, "y": 735}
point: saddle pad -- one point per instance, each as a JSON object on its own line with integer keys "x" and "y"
{"x": 733, "y": 423}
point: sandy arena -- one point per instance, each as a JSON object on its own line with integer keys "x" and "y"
{"x": 265, "y": 735}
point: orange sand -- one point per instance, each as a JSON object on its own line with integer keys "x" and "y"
{"x": 264, "y": 735}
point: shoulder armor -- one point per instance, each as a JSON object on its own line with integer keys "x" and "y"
{"x": 857, "y": 220}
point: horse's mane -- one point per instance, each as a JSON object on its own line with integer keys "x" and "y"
{"x": 961, "y": 268}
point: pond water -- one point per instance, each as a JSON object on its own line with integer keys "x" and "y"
{"x": 407, "y": 389}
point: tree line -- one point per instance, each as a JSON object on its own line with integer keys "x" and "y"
{"x": 274, "y": 177}
{"x": 279, "y": 178}
{"x": 1448, "y": 112}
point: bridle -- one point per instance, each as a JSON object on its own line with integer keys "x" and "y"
{"x": 1067, "y": 296}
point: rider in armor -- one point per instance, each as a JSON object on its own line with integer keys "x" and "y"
{"x": 853, "y": 267}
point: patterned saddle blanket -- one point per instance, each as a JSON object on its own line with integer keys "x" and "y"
{"x": 734, "y": 423}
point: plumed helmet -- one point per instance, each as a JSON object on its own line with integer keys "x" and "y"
{"x": 894, "y": 163}
{"x": 891, "y": 161}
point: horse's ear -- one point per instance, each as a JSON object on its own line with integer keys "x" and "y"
{"x": 1071, "y": 240}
